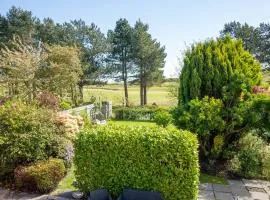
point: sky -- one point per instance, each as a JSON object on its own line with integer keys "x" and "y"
{"x": 174, "y": 23}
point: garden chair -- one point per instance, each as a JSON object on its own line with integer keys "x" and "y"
{"x": 100, "y": 194}
{"x": 129, "y": 194}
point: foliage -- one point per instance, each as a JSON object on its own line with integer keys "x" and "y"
{"x": 28, "y": 134}
{"x": 48, "y": 100}
{"x": 65, "y": 105}
{"x": 135, "y": 113}
{"x": 255, "y": 39}
{"x": 162, "y": 118}
{"x": 203, "y": 117}
{"x": 19, "y": 66}
{"x": 149, "y": 56}
{"x": 146, "y": 158}
{"x": 214, "y": 66}
{"x": 42, "y": 176}
{"x": 252, "y": 160}
{"x": 69, "y": 125}
{"x": 35, "y": 31}
{"x": 121, "y": 52}
{"x": 63, "y": 71}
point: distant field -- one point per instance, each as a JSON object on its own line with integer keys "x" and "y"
{"x": 115, "y": 93}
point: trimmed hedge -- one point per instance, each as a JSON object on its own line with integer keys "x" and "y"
{"x": 136, "y": 113}
{"x": 145, "y": 158}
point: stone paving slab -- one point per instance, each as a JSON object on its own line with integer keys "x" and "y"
{"x": 206, "y": 194}
{"x": 222, "y": 188}
{"x": 259, "y": 196}
{"x": 206, "y": 186}
{"x": 223, "y": 196}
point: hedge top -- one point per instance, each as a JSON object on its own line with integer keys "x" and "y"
{"x": 147, "y": 158}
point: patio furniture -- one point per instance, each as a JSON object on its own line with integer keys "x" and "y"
{"x": 100, "y": 194}
{"x": 129, "y": 194}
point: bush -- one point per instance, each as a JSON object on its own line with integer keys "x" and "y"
{"x": 250, "y": 163}
{"x": 42, "y": 176}
{"x": 69, "y": 124}
{"x": 162, "y": 118}
{"x": 48, "y": 100}
{"x": 27, "y": 134}
{"x": 64, "y": 105}
{"x": 146, "y": 158}
{"x": 266, "y": 163}
{"x": 135, "y": 113}
{"x": 253, "y": 158}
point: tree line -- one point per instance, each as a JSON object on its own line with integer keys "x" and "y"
{"x": 126, "y": 53}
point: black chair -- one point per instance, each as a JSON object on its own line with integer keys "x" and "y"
{"x": 100, "y": 194}
{"x": 129, "y": 194}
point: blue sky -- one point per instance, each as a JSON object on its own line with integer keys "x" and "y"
{"x": 174, "y": 23}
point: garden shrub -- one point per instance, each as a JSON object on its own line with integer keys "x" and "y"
{"x": 250, "y": 163}
{"x": 43, "y": 176}
{"x": 253, "y": 158}
{"x": 266, "y": 163}
{"x": 48, "y": 100}
{"x": 145, "y": 158}
{"x": 28, "y": 133}
{"x": 69, "y": 124}
{"x": 64, "y": 105}
{"x": 162, "y": 118}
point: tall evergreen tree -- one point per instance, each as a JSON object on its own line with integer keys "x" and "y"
{"x": 149, "y": 57}
{"x": 121, "y": 51}
{"x": 209, "y": 67}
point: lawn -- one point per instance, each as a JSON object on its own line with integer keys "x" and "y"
{"x": 205, "y": 178}
{"x": 114, "y": 92}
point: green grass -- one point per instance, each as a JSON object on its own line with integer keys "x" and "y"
{"x": 205, "y": 178}
{"x": 115, "y": 93}
{"x": 66, "y": 183}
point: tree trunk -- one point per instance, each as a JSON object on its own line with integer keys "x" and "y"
{"x": 81, "y": 90}
{"x": 126, "y": 92}
{"x": 141, "y": 89}
{"x": 125, "y": 83}
{"x": 145, "y": 94}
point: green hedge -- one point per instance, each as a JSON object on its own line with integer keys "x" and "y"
{"x": 146, "y": 158}
{"x": 136, "y": 113}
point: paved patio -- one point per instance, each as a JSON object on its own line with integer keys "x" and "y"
{"x": 236, "y": 190}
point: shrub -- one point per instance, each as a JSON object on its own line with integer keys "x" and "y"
{"x": 266, "y": 163}
{"x": 64, "y": 105}
{"x": 250, "y": 163}
{"x": 69, "y": 124}
{"x": 209, "y": 67}
{"x": 43, "y": 176}
{"x": 162, "y": 118}
{"x": 26, "y": 134}
{"x": 48, "y": 100}
{"x": 253, "y": 159}
{"x": 146, "y": 158}
{"x": 29, "y": 133}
